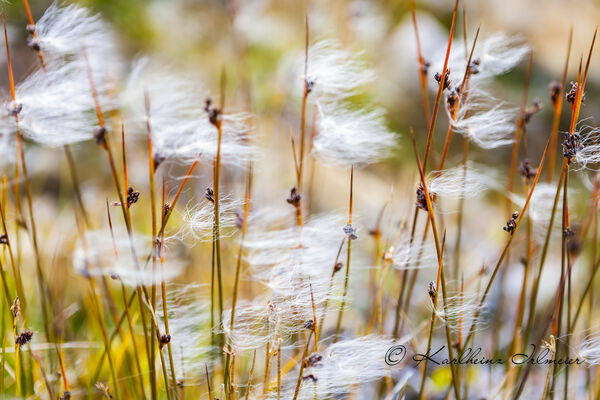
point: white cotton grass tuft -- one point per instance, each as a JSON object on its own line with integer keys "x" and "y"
{"x": 407, "y": 255}
{"x": 56, "y": 106}
{"x": 259, "y": 323}
{"x": 540, "y": 208}
{"x": 199, "y": 219}
{"x": 589, "y": 349}
{"x": 587, "y": 152}
{"x": 297, "y": 266}
{"x": 347, "y": 137}
{"x": 500, "y": 53}
{"x": 98, "y": 254}
{"x": 496, "y": 55}
{"x": 458, "y": 182}
{"x": 279, "y": 258}
{"x": 342, "y": 367}
{"x": 334, "y": 72}
{"x": 73, "y": 34}
{"x": 486, "y": 121}
{"x": 461, "y": 311}
{"x": 181, "y": 130}
{"x": 65, "y": 30}
{"x": 189, "y": 327}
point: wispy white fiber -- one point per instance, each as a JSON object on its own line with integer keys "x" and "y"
{"x": 181, "y": 130}
{"x": 347, "y": 136}
{"x": 95, "y": 256}
{"x": 588, "y": 152}
{"x": 461, "y": 181}
{"x": 486, "y": 121}
{"x": 335, "y": 73}
{"x": 189, "y": 327}
{"x": 199, "y": 219}
{"x": 56, "y": 106}
{"x": 343, "y": 366}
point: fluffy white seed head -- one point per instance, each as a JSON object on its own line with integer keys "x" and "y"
{"x": 486, "y": 121}
{"x": 63, "y": 31}
{"x": 296, "y": 265}
{"x": 347, "y": 137}
{"x": 461, "y": 311}
{"x": 496, "y": 55}
{"x": 461, "y": 181}
{"x": 589, "y": 349}
{"x": 334, "y": 72}
{"x": 99, "y": 255}
{"x": 181, "y": 130}
{"x": 189, "y": 329}
{"x": 587, "y": 154}
{"x": 413, "y": 255}
{"x": 540, "y": 208}
{"x": 56, "y": 106}
{"x": 66, "y": 32}
{"x": 499, "y": 54}
{"x": 343, "y": 366}
{"x": 260, "y": 322}
{"x": 282, "y": 258}
{"x": 199, "y": 220}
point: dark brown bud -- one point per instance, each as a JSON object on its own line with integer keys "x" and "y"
{"x": 100, "y": 135}
{"x": 571, "y": 145}
{"x": 308, "y": 85}
{"x": 239, "y": 219}
{"x": 452, "y": 101}
{"x": 14, "y": 109}
{"x": 166, "y": 209}
{"x": 3, "y": 239}
{"x": 431, "y": 291}
{"x": 158, "y": 160}
{"x": 474, "y": 66}
{"x": 511, "y": 225}
{"x": 338, "y": 266}
{"x": 572, "y": 93}
{"x": 421, "y": 199}
{"x": 209, "y": 194}
{"x": 214, "y": 113}
{"x": 67, "y": 396}
{"x": 313, "y": 360}
{"x": 438, "y": 78}
{"x": 526, "y": 170}
{"x": 554, "y": 88}
{"x": 164, "y": 340}
{"x": 30, "y": 28}
{"x": 24, "y": 338}
{"x": 33, "y": 44}
{"x": 425, "y": 66}
{"x": 310, "y": 325}
{"x": 132, "y": 196}
{"x": 294, "y": 198}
